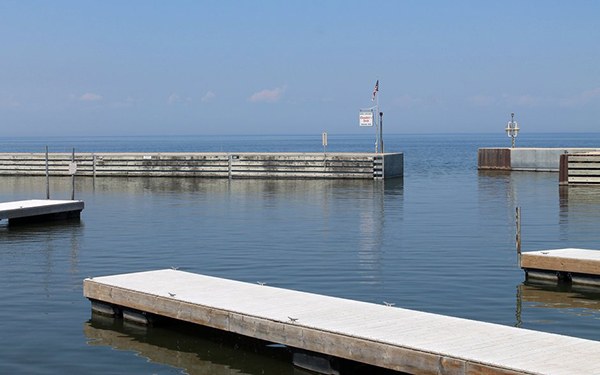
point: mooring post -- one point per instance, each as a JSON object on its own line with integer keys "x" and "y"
{"x": 72, "y": 170}
{"x": 518, "y": 235}
{"x": 93, "y": 170}
{"x": 229, "y": 161}
{"x": 47, "y": 176}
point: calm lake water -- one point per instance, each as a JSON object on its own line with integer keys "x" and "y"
{"x": 440, "y": 240}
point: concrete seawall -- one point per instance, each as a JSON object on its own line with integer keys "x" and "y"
{"x": 580, "y": 169}
{"x": 212, "y": 165}
{"x": 524, "y": 159}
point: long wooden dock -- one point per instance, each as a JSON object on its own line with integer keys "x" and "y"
{"x": 34, "y": 210}
{"x": 380, "y": 335}
{"x": 579, "y": 266}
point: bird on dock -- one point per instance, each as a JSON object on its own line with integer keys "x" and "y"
{"x": 388, "y": 303}
{"x": 261, "y": 283}
{"x": 172, "y": 294}
{"x": 293, "y": 320}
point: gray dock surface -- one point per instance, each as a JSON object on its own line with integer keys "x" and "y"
{"x": 579, "y": 265}
{"x": 385, "y": 336}
{"x": 40, "y": 208}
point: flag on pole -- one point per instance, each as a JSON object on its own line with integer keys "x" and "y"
{"x": 375, "y": 90}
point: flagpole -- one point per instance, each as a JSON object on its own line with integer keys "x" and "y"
{"x": 378, "y": 141}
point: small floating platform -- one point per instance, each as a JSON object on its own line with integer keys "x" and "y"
{"x": 376, "y": 334}
{"x": 579, "y": 266}
{"x": 35, "y": 210}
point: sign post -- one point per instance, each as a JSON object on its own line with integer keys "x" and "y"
{"x": 366, "y": 117}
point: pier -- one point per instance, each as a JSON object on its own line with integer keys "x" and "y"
{"x": 579, "y": 266}
{"x": 377, "y": 334}
{"x": 35, "y": 210}
{"x": 213, "y": 165}
{"x": 524, "y": 159}
{"x": 580, "y": 168}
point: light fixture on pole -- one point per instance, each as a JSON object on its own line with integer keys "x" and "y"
{"x": 512, "y": 129}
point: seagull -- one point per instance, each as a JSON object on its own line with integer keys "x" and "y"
{"x": 388, "y": 303}
{"x": 293, "y": 320}
{"x": 172, "y": 294}
{"x": 261, "y": 283}
{"x": 174, "y": 268}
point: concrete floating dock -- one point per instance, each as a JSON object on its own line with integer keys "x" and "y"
{"x": 579, "y": 266}
{"x": 385, "y": 336}
{"x": 34, "y": 210}
{"x": 213, "y": 165}
{"x": 524, "y": 159}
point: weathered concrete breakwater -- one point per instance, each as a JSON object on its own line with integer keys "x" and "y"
{"x": 580, "y": 168}
{"x": 524, "y": 159}
{"x": 212, "y": 165}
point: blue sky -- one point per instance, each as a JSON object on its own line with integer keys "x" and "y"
{"x": 296, "y": 67}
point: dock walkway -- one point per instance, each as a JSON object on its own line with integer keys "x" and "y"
{"x": 385, "y": 336}
{"x": 579, "y": 266}
{"x": 40, "y": 210}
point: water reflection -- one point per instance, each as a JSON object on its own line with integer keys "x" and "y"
{"x": 186, "y": 347}
{"x": 580, "y": 200}
{"x": 580, "y": 214}
{"x": 543, "y": 223}
{"x": 47, "y": 238}
{"x": 573, "y": 299}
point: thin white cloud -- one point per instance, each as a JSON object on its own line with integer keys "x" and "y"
{"x": 208, "y": 97}
{"x": 581, "y": 99}
{"x": 267, "y": 95}
{"x": 481, "y": 100}
{"x": 175, "y": 98}
{"x": 90, "y": 97}
{"x": 125, "y": 103}
{"x": 525, "y": 100}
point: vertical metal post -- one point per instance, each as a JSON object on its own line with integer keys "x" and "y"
{"x": 381, "y": 131}
{"x": 519, "y": 307}
{"x": 229, "y": 161}
{"x": 518, "y": 235}
{"x": 73, "y": 176}
{"x": 94, "y": 171}
{"x": 376, "y": 136}
{"x": 47, "y": 176}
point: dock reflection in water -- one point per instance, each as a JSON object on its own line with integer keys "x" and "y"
{"x": 578, "y": 300}
{"x": 580, "y": 215}
{"x": 183, "y": 346}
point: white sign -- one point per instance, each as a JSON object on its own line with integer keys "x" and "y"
{"x": 365, "y": 118}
